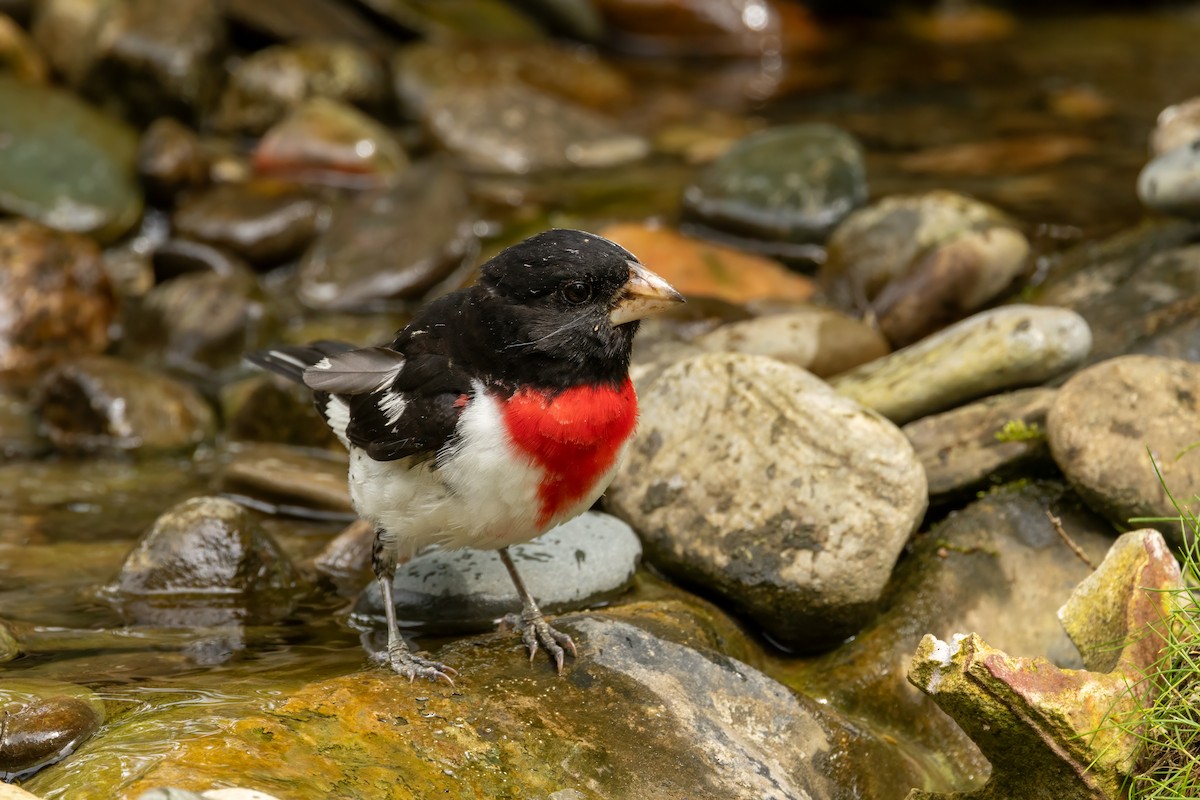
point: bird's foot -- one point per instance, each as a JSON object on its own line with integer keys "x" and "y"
{"x": 402, "y": 662}
{"x": 536, "y": 631}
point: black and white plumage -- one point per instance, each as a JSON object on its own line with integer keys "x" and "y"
{"x": 500, "y": 411}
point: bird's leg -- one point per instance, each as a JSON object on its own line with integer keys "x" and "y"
{"x": 398, "y": 656}
{"x": 532, "y": 625}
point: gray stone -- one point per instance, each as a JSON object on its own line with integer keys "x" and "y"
{"x": 581, "y": 563}
{"x": 1170, "y": 183}
{"x": 205, "y": 561}
{"x": 790, "y": 184}
{"x": 399, "y": 242}
{"x": 268, "y": 84}
{"x": 510, "y": 128}
{"x": 1178, "y": 125}
{"x": 991, "y": 439}
{"x": 101, "y": 403}
{"x": 752, "y": 478}
{"x": 65, "y": 164}
{"x": 1115, "y": 422}
{"x": 919, "y": 262}
{"x": 264, "y": 221}
{"x": 1005, "y": 348}
{"x": 823, "y": 341}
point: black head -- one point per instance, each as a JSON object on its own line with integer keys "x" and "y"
{"x": 563, "y": 306}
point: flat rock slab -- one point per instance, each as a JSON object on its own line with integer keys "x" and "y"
{"x": 581, "y": 563}
{"x": 1004, "y": 348}
{"x": 752, "y": 478}
{"x": 1111, "y": 424}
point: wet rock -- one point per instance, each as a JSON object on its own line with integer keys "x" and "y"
{"x": 302, "y": 21}
{"x": 709, "y": 27}
{"x": 287, "y": 478}
{"x": 264, "y": 221}
{"x": 177, "y": 257}
{"x": 997, "y": 567}
{"x": 790, "y": 184}
{"x": 700, "y": 268}
{"x": 19, "y": 57}
{"x": 1113, "y": 423}
{"x": 65, "y": 164}
{"x": 1177, "y": 126}
{"x": 821, "y": 340}
{"x": 511, "y": 129}
{"x": 1004, "y": 348}
{"x": 42, "y": 722}
{"x": 718, "y": 435}
{"x": 422, "y": 71}
{"x": 1011, "y": 154}
{"x": 1137, "y": 290}
{"x": 580, "y": 564}
{"x": 56, "y": 301}
{"x": 211, "y": 794}
{"x": 264, "y": 408}
{"x": 995, "y": 437}
{"x": 102, "y": 403}
{"x": 395, "y": 243}
{"x": 19, "y": 436}
{"x": 9, "y": 647}
{"x": 205, "y": 561}
{"x": 921, "y": 262}
{"x": 198, "y": 323}
{"x": 170, "y": 160}
{"x": 469, "y": 19}
{"x": 326, "y": 142}
{"x": 1060, "y": 730}
{"x": 146, "y": 59}
{"x": 724, "y": 728}
{"x": 272, "y": 82}
{"x": 967, "y": 23}
{"x": 1170, "y": 183}
{"x": 576, "y": 19}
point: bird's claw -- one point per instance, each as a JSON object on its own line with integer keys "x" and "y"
{"x": 404, "y": 663}
{"x": 536, "y": 631}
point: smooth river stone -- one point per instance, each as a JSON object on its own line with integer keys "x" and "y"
{"x": 66, "y": 164}
{"x": 1004, "y": 348}
{"x": 1170, "y": 183}
{"x": 43, "y": 722}
{"x": 579, "y": 564}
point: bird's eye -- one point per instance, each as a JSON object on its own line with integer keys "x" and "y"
{"x": 576, "y": 292}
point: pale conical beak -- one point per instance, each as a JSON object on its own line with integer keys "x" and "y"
{"x": 643, "y": 294}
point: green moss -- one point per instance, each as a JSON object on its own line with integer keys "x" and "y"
{"x": 1018, "y": 430}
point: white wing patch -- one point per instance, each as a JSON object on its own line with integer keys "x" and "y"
{"x": 392, "y": 405}
{"x": 337, "y": 416}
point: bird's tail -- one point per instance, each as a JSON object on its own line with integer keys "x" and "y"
{"x": 290, "y": 361}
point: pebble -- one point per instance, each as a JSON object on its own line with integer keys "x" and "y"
{"x": 1113, "y": 423}
{"x": 580, "y": 564}
{"x": 790, "y": 184}
{"x": 822, "y": 340}
{"x": 1170, "y": 183}
{"x": 920, "y": 262}
{"x": 99, "y": 403}
{"x": 967, "y": 447}
{"x": 43, "y": 721}
{"x": 303, "y": 21}
{"x": 65, "y": 164}
{"x": 400, "y": 242}
{"x": 699, "y": 268}
{"x": 205, "y": 561}
{"x": 753, "y": 479}
{"x": 270, "y": 83}
{"x": 264, "y": 221}
{"x": 1178, "y": 125}
{"x": 287, "y": 478}
{"x": 694, "y": 28}
{"x": 1004, "y": 348}
{"x": 267, "y": 408}
{"x": 324, "y": 141}
{"x": 19, "y": 56}
{"x": 56, "y": 300}
{"x": 171, "y": 160}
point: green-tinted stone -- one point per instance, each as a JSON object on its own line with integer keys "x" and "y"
{"x": 64, "y": 163}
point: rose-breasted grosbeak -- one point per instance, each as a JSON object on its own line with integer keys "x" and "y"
{"x": 500, "y": 411}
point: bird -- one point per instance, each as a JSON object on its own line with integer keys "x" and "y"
{"x": 500, "y": 411}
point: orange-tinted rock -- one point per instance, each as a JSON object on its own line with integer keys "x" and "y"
{"x": 700, "y": 268}
{"x": 998, "y": 156}
{"x": 55, "y": 299}
{"x": 961, "y": 24}
{"x": 18, "y": 55}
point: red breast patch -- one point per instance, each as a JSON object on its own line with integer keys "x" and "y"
{"x": 574, "y": 435}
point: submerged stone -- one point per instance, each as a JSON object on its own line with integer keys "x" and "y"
{"x": 755, "y": 480}
{"x": 65, "y": 164}
{"x": 582, "y": 563}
